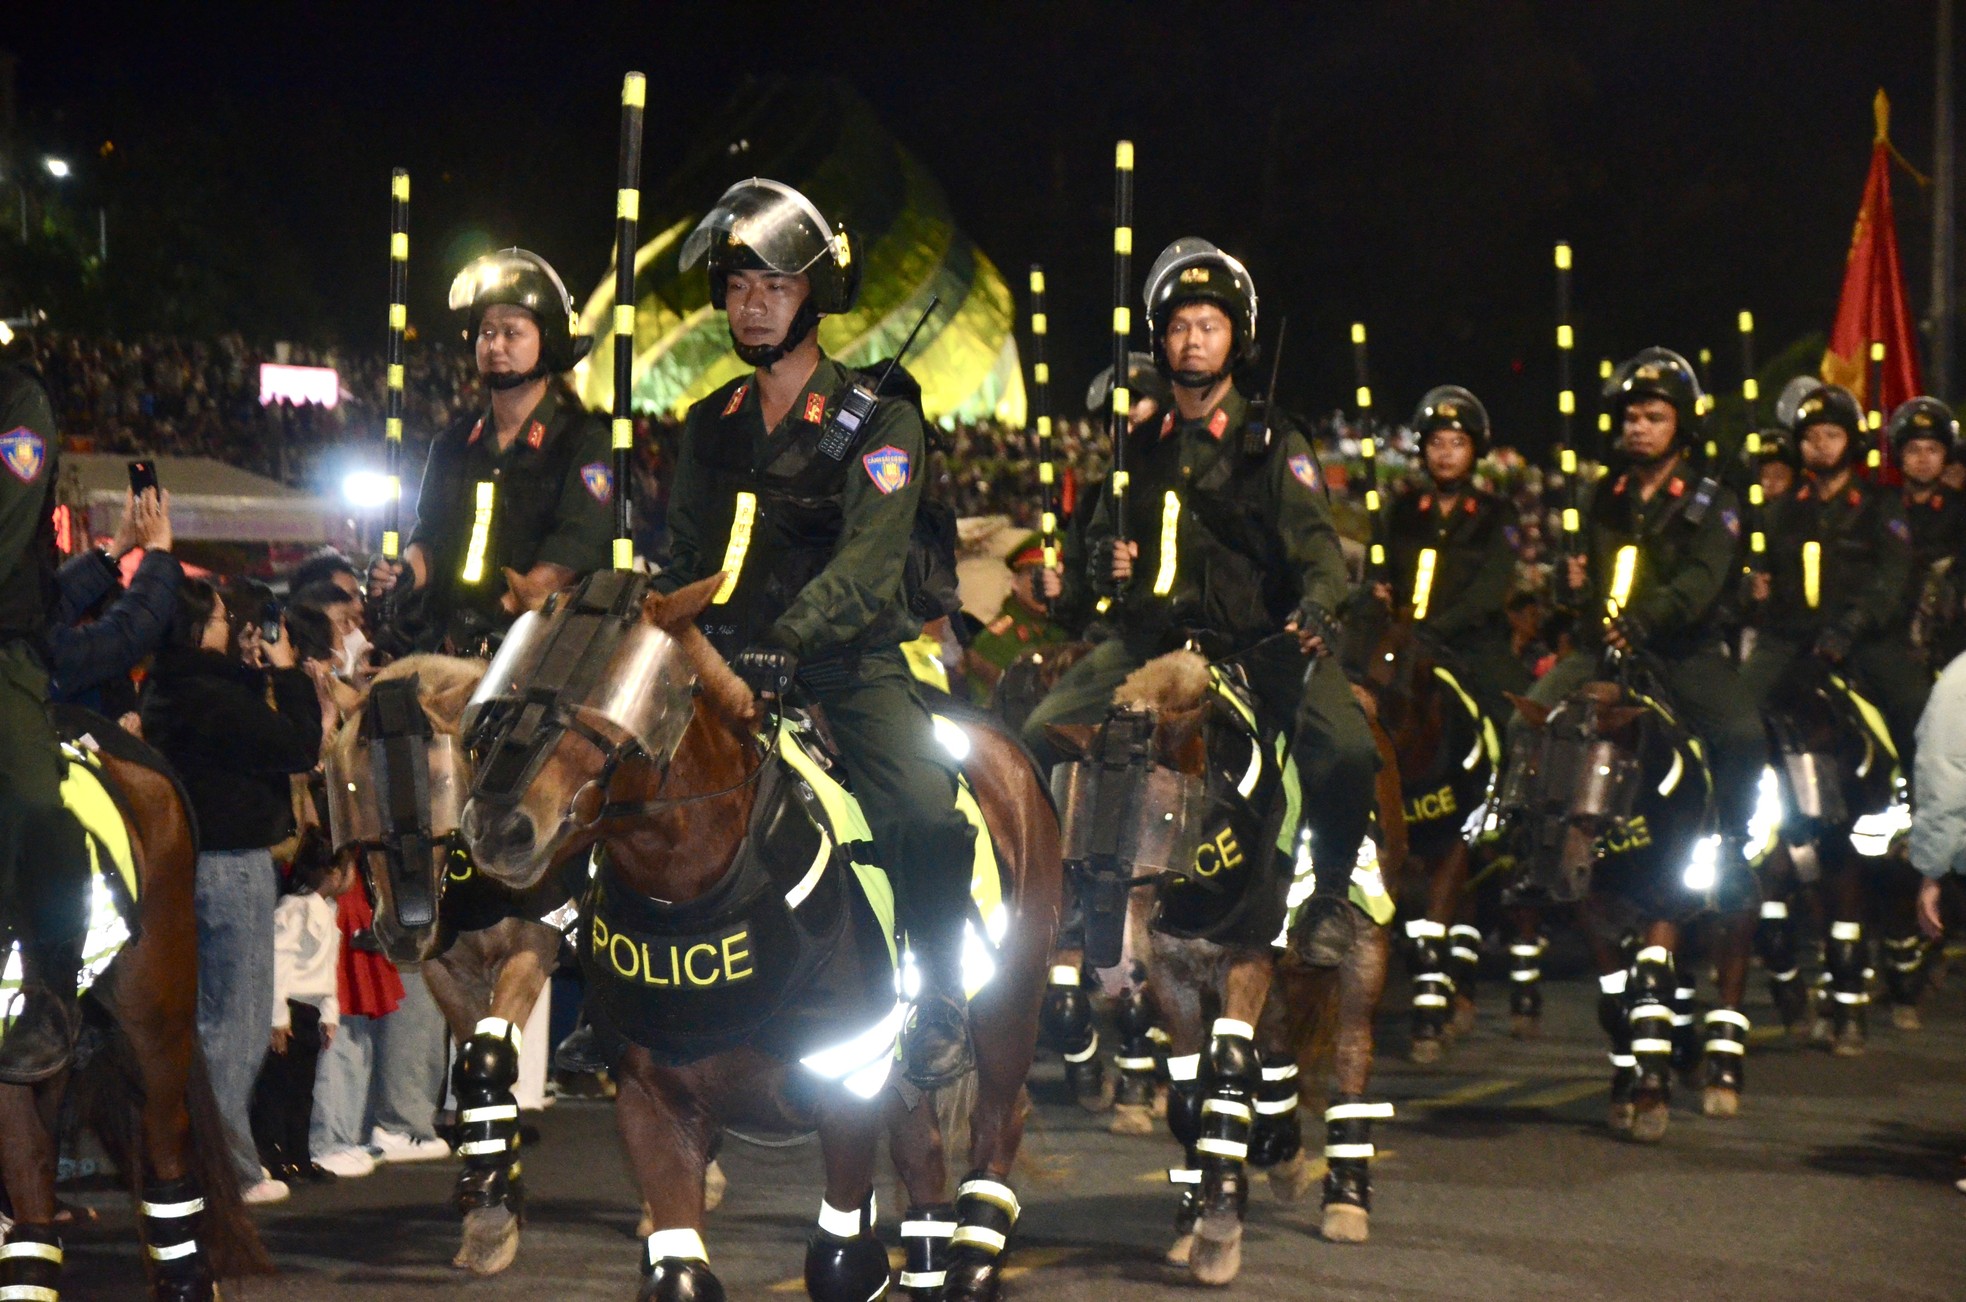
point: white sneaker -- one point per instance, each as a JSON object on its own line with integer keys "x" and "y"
{"x": 392, "y": 1147}
{"x": 348, "y": 1163}
{"x": 268, "y": 1190}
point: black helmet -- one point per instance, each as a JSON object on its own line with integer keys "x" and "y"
{"x": 1192, "y": 270}
{"x": 1449, "y": 406}
{"x": 1830, "y": 404}
{"x": 1777, "y": 444}
{"x": 1922, "y": 418}
{"x": 521, "y": 279}
{"x": 763, "y": 225}
{"x": 1143, "y": 379}
{"x": 1659, "y": 373}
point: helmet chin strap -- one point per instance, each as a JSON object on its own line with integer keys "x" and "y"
{"x": 765, "y": 356}
{"x": 501, "y": 381}
{"x": 1198, "y": 379}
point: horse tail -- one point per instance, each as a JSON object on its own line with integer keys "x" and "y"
{"x": 108, "y": 1097}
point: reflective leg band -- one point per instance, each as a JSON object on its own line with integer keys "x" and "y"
{"x": 172, "y": 1211}
{"x": 1229, "y": 1026}
{"x": 1462, "y": 931}
{"x": 1421, "y": 929}
{"x": 1846, "y": 931}
{"x": 1525, "y": 951}
{"x": 1789, "y": 975}
{"x": 1730, "y": 1017}
{"x": 844, "y": 1225}
{"x": 1465, "y": 955}
{"x": 1430, "y": 1001}
{"x": 1651, "y": 1046}
{"x": 682, "y": 1245}
{"x": 1683, "y": 993}
{"x": 924, "y": 1278}
{"x": 1774, "y": 909}
{"x": 1613, "y": 983}
{"x": 1526, "y": 974}
{"x": 1134, "y": 1064}
{"x": 1847, "y": 997}
{"x": 501, "y": 1112}
{"x": 1222, "y": 1147}
{"x": 1092, "y": 1048}
{"x": 1186, "y": 1067}
{"x": 995, "y": 1193}
{"x": 1655, "y": 954}
{"x": 1065, "y": 976}
{"x": 480, "y": 1147}
{"x": 31, "y": 1248}
{"x": 498, "y": 1028}
{"x": 171, "y": 1252}
{"x": 28, "y": 1293}
{"x": 1623, "y": 1061}
{"x": 1275, "y": 1107}
{"x": 1348, "y": 1152}
{"x": 1184, "y": 1175}
{"x": 1645, "y": 1011}
{"x": 977, "y": 1236}
{"x": 1225, "y": 1108}
{"x": 927, "y": 1229}
{"x": 1357, "y": 1111}
{"x": 1726, "y": 1046}
{"x": 1287, "y": 1072}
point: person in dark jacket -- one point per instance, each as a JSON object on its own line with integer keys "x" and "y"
{"x": 100, "y": 630}
{"x": 210, "y": 716}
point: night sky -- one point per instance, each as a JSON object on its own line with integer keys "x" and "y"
{"x": 1408, "y": 164}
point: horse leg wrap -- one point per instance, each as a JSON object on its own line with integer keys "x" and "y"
{"x": 488, "y": 1119}
{"x": 30, "y": 1264}
{"x": 172, "y": 1212}
{"x": 677, "y": 1269}
{"x": 1463, "y": 958}
{"x": 1231, "y": 1075}
{"x": 1845, "y": 962}
{"x": 845, "y": 1261}
{"x": 1432, "y": 989}
{"x": 1774, "y": 941}
{"x": 986, "y": 1213}
{"x": 1650, "y": 1018}
{"x": 925, "y": 1235}
{"x": 1727, "y": 1048}
{"x": 1184, "y": 1123}
{"x": 1139, "y": 1057}
{"x": 1526, "y": 977}
{"x": 1685, "y": 1035}
{"x": 1904, "y": 968}
{"x": 1279, "y": 1132}
{"x": 1348, "y": 1149}
{"x": 1065, "y": 1018}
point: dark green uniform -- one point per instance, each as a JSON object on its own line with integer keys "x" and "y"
{"x": 1938, "y": 533}
{"x": 819, "y": 574}
{"x": 43, "y": 891}
{"x": 1688, "y": 538}
{"x": 1863, "y": 587}
{"x": 550, "y": 495}
{"x": 1230, "y": 543}
{"x": 1473, "y": 537}
{"x": 1016, "y": 629}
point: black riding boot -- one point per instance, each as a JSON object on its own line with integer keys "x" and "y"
{"x": 935, "y": 1049}
{"x": 39, "y": 1023}
{"x": 1432, "y": 989}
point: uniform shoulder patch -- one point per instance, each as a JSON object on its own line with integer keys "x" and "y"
{"x": 598, "y": 479}
{"x": 23, "y": 452}
{"x": 1732, "y": 519}
{"x": 535, "y": 435}
{"x": 1305, "y": 469}
{"x": 736, "y": 399}
{"x": 1899, "y": 529}
{"x": 887, "y": 467}
{"x": 815, "y": 408}
{"x": 1218, "y": 424}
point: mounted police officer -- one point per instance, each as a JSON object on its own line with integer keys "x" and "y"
{"x": 44, "y": 889}
{"x": 1472, "y": 535}
{"x": 1922, "y": 434}
{"x": 1227, "y": 540}
{"x": 789, "y": 484}
{"x": 1686, "y": 529}
{"x": 523, "y": 487}
{"x": 1854, "y": 610}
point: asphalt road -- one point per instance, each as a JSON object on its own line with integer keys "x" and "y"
{"x": 1497, "y": 1180}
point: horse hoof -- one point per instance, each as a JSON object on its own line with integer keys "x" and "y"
{"x": 1719, "y": 1101}
{"x": 1291, "y": 1180}
{"x": 1427, "y": 1050}
{"x": 1345, "y": 1223}
{"x": 1217, "y": 1256}
{"x": 714, "y": 1185}
{"x": 1463, "y": 1020}
{"x": 491, "y": 1241}
{"x": 1131, "y": 1119}
{"x": 1905, "y": 1017}
{"x": 1822, "y": 1032}
{"x": 1181, "y": 1249}
{"x": 1619, "y": 1118}
{"x": 1649, "y": 1122}
{"x": 1102, "y": 1101}
{"x": 1524, "y": 1027}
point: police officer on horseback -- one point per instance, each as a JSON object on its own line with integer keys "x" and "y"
{"x": 44, "y": 890}
{"x": 1226, "y": 540}
{"x": 1922, "y": 433}
{"x": 802, "y": 486}
{"x": 523, "y": 487}
{"x": 1839, "y": 572}
{"x": 1471, "y": 534}
{"x": 1686, "y": 531}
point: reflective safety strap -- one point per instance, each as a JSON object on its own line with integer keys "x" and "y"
{"x": 1170, "y": 531}
{"x": 1423, "y": 581}
{"x": 172, "y": 1211}
{"x": 1526, "y": 974}
{"x": 499, "y": 1029}
{"x": 1226, "y": 1108}
{"x": 1729, "y": 1016}
{"x": 743, "y": 519}
{"x": 28, "y": 1293}
{"x": 1613, "y": 983}
{"x": 1271, "y": 1107}
{"x": 1647, "y": 1012}
{"x": 499, "y": 1112}
{"x": 1422, "y": 929}
{"x": 1184, "y": 1175}
{"x": 1774, "y": 909}
{"x": 676, "y": 1244}
{"x": 994, "y": 1192}
{"x": 1134, "y": 1064}
{"x": 1222, "y": 1147}
{"x": 1430, "y": 1001}
{"x": 1186, "y": 1067}
{"x": 31, "y": 1248}
{"x": 1723, "y": 1045}
{"x": 1651, "y": 1046}
{"x": 1065, "y": 976}
{"x": 1231, "y": 1028}
{"x": 919, "y": 1279}
{"x": 1287, "y": 1072}
{"x": 481, "y": 1147}
{"x": 1091, "y": 1048}
{"x": 172, "y": 1251}
{"x": 1846, "y": 931}
{"x": 977, "y": 1236}
{"x": 1624, "y": 1061}
{"x": 1358, "y": 1111}
{"x": 481, "y": 520}
{"x": 927, "y": 1229}
{"x": 1348, "y": 1152}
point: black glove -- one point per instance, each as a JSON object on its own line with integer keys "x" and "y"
{"x": 408, "y": 621}
{"x": 1833, "y": 644}
{"x": 769, "y": 670}
{"x": 1632, "y": 629}
{"x": 1310, "y": 617}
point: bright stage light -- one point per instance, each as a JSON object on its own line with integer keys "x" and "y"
{"x": 365, "y": 490}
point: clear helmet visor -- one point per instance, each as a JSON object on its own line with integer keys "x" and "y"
{"x": 779, "y": 226}
{"x": 357, "y": 802}
{"x": 1187, "y": 252}
{"x": 509, "y": 276}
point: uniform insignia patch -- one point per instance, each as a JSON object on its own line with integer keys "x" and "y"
{"x": 1305, "y": 469}
{"x": 1167, "y": 424}
{"x": 24, "y": 453}
{"x": 1733, "y": 522}
{"x": 736, "y": 399}
{"x": 887, "y": 467}
{"x": 1001, "y": 625}
{"x": 1218, "y": 424}
{"x": 1899, "y": 530}
{"x": 535, "y": 436}
{"x": 815, "y": 408}
{"x": 598, "y": 479}
{"x": 477, "y": 432}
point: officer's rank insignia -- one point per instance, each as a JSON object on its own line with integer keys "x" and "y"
{"x": 1732, "y": 520}
{"x": 815, "y": 408}
{"x": 1305, "y": 469}
{"x": 887, "y": 467}
{"x": 535, "y": 435}
{"x": 1899, "y": 529}
{"x": 23, "y": 451}
{"x": 598, "y": 479}
{"x": 1218, "y": 424}
{"x": 736, "y": 399}
{"x": 1167, "y": 424}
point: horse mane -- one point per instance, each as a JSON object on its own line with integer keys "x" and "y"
{"x": 675, "y": 614}
{"x": 444, "y": 684}
{"x": 1171, "y": 683}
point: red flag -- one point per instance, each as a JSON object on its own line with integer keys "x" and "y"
{"x": 1873, "y": 309}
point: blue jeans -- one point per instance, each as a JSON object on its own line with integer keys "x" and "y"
{"x": 382, "y": 1071}
{"x": 236, "y": 892}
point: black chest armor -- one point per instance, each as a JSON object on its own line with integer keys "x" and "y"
{"x": 1460, "y": 539}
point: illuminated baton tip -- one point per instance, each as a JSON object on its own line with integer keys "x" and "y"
{"x": 1563, "y": 256}
{"x": 1358, "y": 332}
{"x": 1123, "y": 156}
{"x": 634, "y": 90}
{"x": 1037, "y": 280}
{"x": 1746, "y": 323}
{"x": 1877, "y": 351}
{"x": 399, "y": 185}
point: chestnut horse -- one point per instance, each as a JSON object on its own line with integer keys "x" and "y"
{"x": 673, "y": 828}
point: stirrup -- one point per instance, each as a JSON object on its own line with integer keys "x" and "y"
{"x": 935, "y": 1041}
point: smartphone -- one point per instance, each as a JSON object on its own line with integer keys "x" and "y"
{"x": 143, "y": 475}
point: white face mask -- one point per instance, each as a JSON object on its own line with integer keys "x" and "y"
{"x": 354, "y": 652}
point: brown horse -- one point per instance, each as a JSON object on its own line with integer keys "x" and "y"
{"x": 144, "y": 1089}
{"x": 674, "y": 820}
{"x": 1247, "y": 1035}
